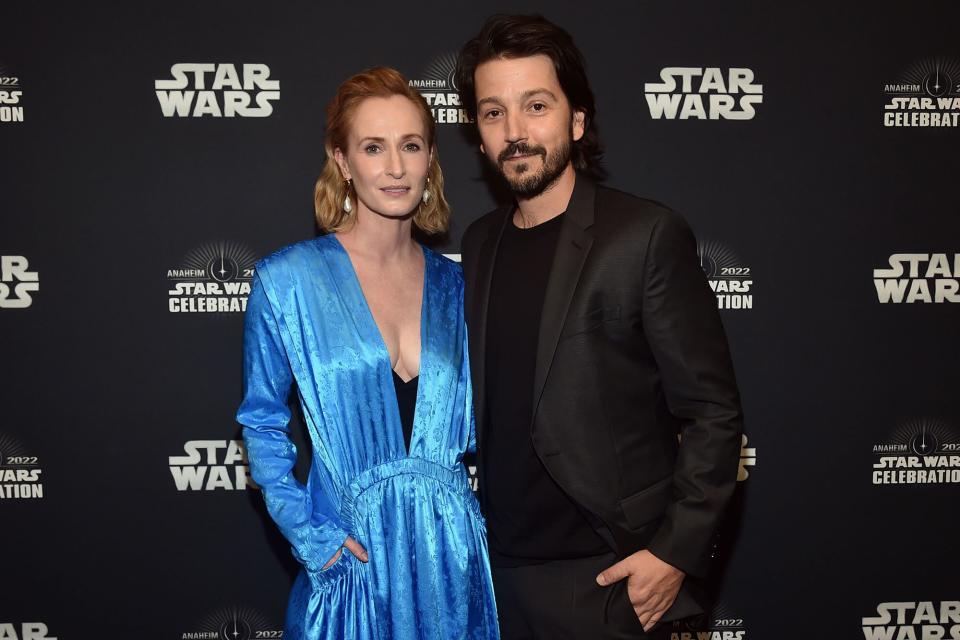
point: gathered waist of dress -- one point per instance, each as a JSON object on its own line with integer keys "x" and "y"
{"x": 455, "y": 479}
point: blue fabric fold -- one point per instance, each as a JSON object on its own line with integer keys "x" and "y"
{"x": 309, "y": 327}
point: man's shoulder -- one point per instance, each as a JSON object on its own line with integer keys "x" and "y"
{"x": 621, "y": 212}
{"x": 611, "y": 200}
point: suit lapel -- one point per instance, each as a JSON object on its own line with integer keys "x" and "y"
{"x": 486, "y": 260}
{"x": 573, "y": 247}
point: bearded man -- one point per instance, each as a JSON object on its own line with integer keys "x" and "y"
{"x": 595, "y": 342}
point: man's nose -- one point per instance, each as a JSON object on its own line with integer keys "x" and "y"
{"x": 516, "y": 129}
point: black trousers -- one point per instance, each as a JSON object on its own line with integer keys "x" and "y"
{"x": 561, "y": 600}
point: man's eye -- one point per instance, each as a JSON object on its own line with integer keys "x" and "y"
{"x": 538, "y": 106}
{"x": 493, "y": 113}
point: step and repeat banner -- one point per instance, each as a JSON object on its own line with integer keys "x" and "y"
{"x": 151, "y": 152}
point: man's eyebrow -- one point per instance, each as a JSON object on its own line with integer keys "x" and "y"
{"x": 490, "y": 100}
{"x": 526, "y": 95}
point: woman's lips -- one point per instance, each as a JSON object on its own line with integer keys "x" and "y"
{"x": 395, "y": 191}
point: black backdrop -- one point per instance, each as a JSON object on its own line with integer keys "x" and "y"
{"x": 108, "y": 206}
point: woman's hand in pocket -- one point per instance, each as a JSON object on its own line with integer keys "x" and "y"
{"x": 355, "y": 548}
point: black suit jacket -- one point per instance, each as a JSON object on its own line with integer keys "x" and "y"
{"x": 631, "y": 353}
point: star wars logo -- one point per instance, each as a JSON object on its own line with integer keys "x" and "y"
{"x": 10, "y": 95}
{"x": 695, "y": 93}
{"x": 210, "y": 465}
{"x": 25, "y": 631}
{"x": 235, "y": 623}
{"x": 719, "y": 625}
{"x": 921, "y": 452}
{"x": 20, "y": 474}
{"x": 929, "y": 620}
{"x": 437, "y": 85}
{"x": 748, "y": 458}
{"x": 919, "y": 277}
{"x": 16, "y": 282}
{"x": 927, "y": 95}
{"x": 218, "y": 91}
{"x": 214, "y": 278}
{"x": 730, "y": 280}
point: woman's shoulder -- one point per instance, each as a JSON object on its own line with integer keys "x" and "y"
{"x": 445, "y": 266}
{"x": 295, "y": 257}
{"x": 445, "y": 279}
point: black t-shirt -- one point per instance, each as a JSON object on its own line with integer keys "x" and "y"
{"x": 529, "y": 518}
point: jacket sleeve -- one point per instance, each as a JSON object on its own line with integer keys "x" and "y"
{"x": 684, "y": 330}
{"x": 265, "y": 416}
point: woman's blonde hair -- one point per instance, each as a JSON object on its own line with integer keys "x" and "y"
{"x": 432, "y": 216}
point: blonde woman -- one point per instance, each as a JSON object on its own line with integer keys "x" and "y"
{"x": 368, "y": 325}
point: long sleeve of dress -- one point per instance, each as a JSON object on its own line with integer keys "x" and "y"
{"x": 265, "y": 416}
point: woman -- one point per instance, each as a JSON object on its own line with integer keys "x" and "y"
{"x": 369, "y": 326}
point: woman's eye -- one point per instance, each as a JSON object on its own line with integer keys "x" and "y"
{"x": 372, "y": 148}
{"x": 411, "y": 146}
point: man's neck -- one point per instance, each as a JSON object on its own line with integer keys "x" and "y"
{"x": 547, "y": 205}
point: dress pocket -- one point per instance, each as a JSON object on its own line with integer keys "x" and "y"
{"x": 339, "y": 558}
{"x": 323, "y": 579}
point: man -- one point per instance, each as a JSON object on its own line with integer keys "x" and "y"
{"x": 595, "y": 342}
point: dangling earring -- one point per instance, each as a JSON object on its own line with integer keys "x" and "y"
{"x": 425, "y": 198}
{"x": 347, "y": 204}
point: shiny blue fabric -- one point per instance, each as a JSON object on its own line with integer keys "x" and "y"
{"x": 308, "y": 326}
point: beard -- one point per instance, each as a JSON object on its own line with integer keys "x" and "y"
{"x": 526, "y": 183}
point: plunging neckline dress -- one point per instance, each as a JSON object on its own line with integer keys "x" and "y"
{"x": 406, "y": 391}
{"x": 404, "y": 496}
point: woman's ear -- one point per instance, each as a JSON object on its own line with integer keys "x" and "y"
{"x": 341, "y": 161}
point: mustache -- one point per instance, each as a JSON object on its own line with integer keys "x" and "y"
{"x": 520, "y": 148}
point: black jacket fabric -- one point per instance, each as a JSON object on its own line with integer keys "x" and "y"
{"x": 636, "y": 410}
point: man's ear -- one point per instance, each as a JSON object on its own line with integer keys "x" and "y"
{"x": 341, "y": 161}
{"x": 579, "y": 124}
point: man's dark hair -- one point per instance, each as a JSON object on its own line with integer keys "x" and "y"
{"x": 522, "y": 36}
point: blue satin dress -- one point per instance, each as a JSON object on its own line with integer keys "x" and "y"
{"x": 309, "y": 326}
